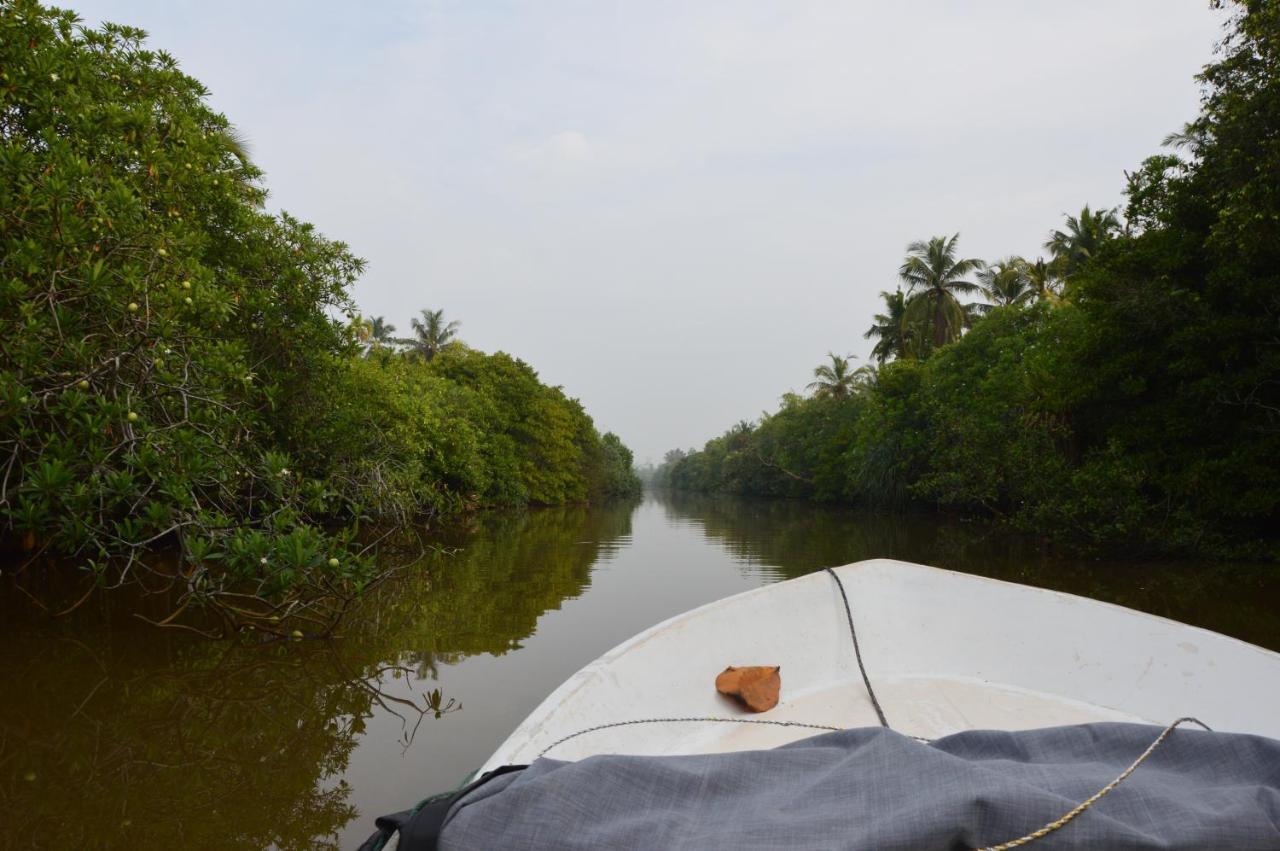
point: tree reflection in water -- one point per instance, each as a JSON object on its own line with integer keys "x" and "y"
{"x": 789, "y": 538}
{"x": 115, "y": 734}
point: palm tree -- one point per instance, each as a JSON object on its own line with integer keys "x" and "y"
{"x": 887, "y": 327}
{"x": 432, "y": 333}
{"x": 834, "y": 380}
{"x": 360, "y": 326}
{"x": 1043, "y": 278}
{"x": 935, "y": 279}
{"x": 1005, "y": 283}
{"x": 1073, "y": 247}
{"x": 1194, "y": 136}
{"x": 737, "y": 437}
{"x": 381, "y": 330}
{"x": 865, "y": 378}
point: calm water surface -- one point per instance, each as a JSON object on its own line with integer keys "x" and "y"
{"x": 116, "y": 734}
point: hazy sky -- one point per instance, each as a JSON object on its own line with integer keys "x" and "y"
{"x": 675, "y": 209}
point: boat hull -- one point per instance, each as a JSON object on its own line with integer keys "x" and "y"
{"x": 945, "y": 652}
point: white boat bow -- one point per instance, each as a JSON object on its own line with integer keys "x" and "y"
{"x": 945, "y": 652}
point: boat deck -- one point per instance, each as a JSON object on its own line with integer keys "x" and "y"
{"x": 945, "y": 652}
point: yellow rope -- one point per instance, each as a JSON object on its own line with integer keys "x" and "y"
{"x": 1057, "y": 823}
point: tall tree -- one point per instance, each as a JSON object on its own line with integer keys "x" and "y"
{"x": 935, "y": 280}
{"x": 381, "y": 330}
{"x": 1005, "y": 283}
{"x": 1043, "y": 279}
{"x": 833, "y": 380}
{"x": 1084, "y": 235}
{"x": 432, "y": 333}
{"x": 887, "y": 327}
{"x": 361, "y": 327}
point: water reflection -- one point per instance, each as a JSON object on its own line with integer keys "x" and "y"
{"x": 116, "y": 734}
{"x": 497, "y": 576}
{"x": 784, "y": 539}
{"x": 125, "y": 737}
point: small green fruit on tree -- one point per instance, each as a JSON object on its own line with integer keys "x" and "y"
{"x": 84, "y": 167}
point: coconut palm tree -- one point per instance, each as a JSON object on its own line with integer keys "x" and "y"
{"x": 737, "y": 437}
{"x": 1073, "y": 247}
{"x": 361, "y": 327}
{"x": 935, "y": 280}
{"x": 865, "y": 378}
{"x": 381, "y": 331}
{"x": 1043, "y": 278}
{"x": 432, "y": 333}
{"x": 834, "y": 380}
{"x": 887, "y": 327}
{"x": 1005, "y": 283}
{"x": 1194, "y": 136}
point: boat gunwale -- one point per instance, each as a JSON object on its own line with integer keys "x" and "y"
{"x": 535, "y": 721}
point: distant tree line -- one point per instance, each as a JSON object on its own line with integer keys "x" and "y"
{"x": 1122, "y": 393}
{"x": 497, "y": 435}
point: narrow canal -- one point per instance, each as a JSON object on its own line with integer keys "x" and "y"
{"x": 115, "y": 734}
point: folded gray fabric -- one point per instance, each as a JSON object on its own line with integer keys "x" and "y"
{"x": 874, "y": 788}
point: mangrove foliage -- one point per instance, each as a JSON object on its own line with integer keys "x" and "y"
{"x": 1122, "y": 393}
{"x": 184, "y": 373}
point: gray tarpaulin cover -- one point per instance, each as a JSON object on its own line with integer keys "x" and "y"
{"x": 873, "y": 788}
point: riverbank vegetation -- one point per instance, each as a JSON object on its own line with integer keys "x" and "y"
{"x": 1120, "y": 394}
{"x": 188, "y": 397}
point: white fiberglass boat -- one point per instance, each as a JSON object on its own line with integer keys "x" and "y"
{"x": 945, "y": 652}
{"x": 1009, "y": 687}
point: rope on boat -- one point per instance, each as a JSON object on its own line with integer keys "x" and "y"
{"x": 875, "y": 703}
{"x": 687, "y": 721}
{"x": 857, "y": 651}
{"x": 1093, "y": 799}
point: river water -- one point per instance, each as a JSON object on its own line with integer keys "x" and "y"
{"x": 117, "y": 734}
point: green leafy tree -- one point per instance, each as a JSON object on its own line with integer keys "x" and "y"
{"x": 617, "y": 475}
{"x": 173, "y": 373}
{"x": 1138, "y": 414}
{"x": 1177, "y": 382}
{"x": 935, "y": 281}
{"x": 156, "y": 323}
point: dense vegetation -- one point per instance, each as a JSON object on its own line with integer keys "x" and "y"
{"x": 1123, "y": 393}
{"x": 182, "y": 370}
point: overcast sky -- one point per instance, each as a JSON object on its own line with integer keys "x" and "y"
{"x": 675, "y": 209}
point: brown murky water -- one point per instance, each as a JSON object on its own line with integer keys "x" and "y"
{"x": 117, "y": 734}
